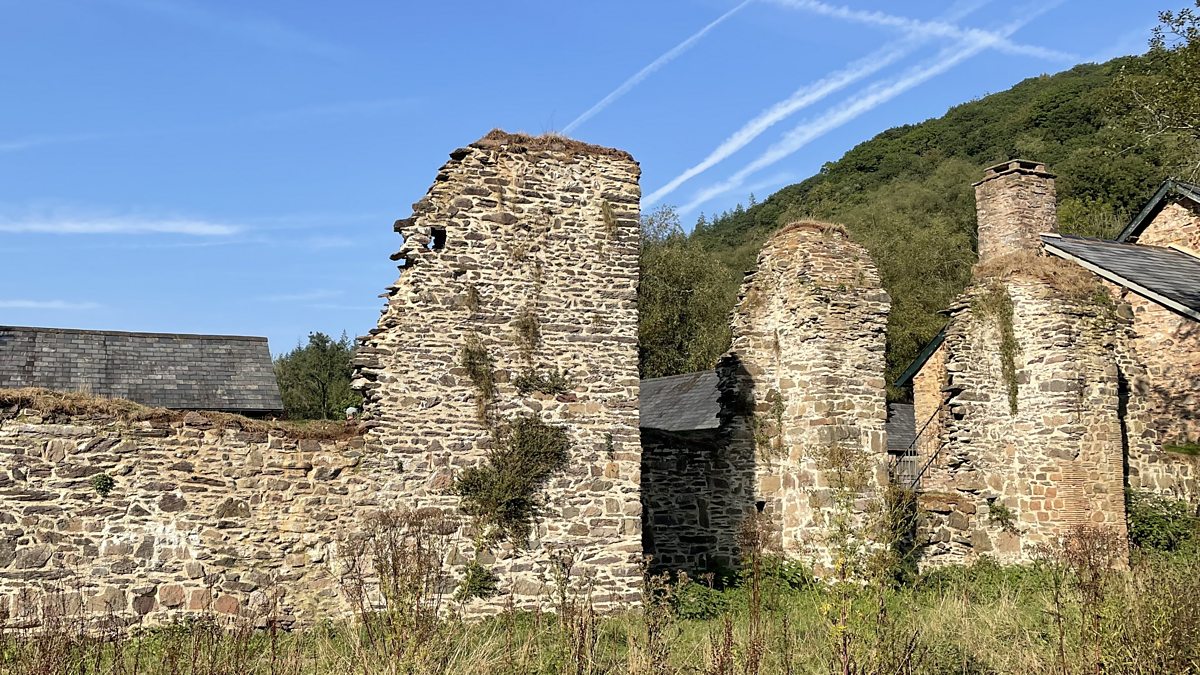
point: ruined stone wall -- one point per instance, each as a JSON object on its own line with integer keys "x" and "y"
{"x": 806, "y": 368}
{"x": 199, "y": 519}
{"x": 696, "y": 492}
{"x": 524, "y": 250}
{"x": 1177, "y": 223}
{"x": 1053, "y": 462}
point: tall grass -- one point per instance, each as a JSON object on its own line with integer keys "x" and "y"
{"x": 1071, "y": 612}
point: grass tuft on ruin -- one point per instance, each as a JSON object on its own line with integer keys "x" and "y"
{"x": 65, "y": 407}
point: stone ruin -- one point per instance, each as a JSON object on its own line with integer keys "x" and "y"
{"x": 798, "y": 398}
{"x": 525, "y": 250}
{"x": 1049, "y": 391}
{"x": 517, "y": 304}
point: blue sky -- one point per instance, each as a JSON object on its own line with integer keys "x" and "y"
{"x": 214, "y": 166}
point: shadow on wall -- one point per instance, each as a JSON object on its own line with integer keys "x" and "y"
{"x": 698, "y": 484}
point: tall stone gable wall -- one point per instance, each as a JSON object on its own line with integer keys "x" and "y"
{"x": 199, "y": 519}
{"x": 1056, "y": 461}
{"x": 518, "y": 233}
{"x": 803, "y": 383}
{"x": 1177, "y": 223}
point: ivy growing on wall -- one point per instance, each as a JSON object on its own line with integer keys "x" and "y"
{"x": 549, "y": 382}
{"x": 476, "y": 360}
{"x": 502, "y": 495}
{"x": 995, "y": 304}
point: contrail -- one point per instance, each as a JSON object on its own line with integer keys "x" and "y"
{"x": 870, "y": 98}
{"x": 649, "y": 70}
{"x": 937, "y": 28}
{"x": 806, "y": 96}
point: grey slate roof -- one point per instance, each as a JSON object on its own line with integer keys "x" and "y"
{"x": 680, "y": 402}
{"x": 1164, "y": 275}
{"x": 185, "y": 372}
{"x": 901, "y": 427}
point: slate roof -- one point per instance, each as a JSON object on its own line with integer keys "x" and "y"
{"x": 680, "y": 402}
{"x": 901, "y": 427}
{"x": 1165, "y": 275}
{"x": 1170, "y": 189}
{"x": 186, "y": 372}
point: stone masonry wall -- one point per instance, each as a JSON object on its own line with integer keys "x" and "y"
{"x": 1177, "y": 223}
{"x": 696, "y": 490}
{"x": 526, "y": 248}
{"x": 929, "y": 409}
{"x": 807, "y": 364}
{"x": 1056, "y": 460}
{"x": 1015, "y": 202}
{"x": 199, "y": 519}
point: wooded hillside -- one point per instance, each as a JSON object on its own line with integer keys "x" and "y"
{"x": 907, "y": 196}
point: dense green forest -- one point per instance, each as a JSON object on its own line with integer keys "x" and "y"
{"x": 907, "y": 196}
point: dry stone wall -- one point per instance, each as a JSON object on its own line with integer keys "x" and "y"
{"x": 803, "y": 383}
{"x": 200, "y": 518}
{"x": 524, "y": 253}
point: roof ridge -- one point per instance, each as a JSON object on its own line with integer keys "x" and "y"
{"x": 85, "y": 331}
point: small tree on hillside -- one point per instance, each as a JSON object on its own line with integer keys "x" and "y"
{"x": 314, "y": 379}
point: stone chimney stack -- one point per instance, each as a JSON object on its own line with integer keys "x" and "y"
{"x": 1014, "y": 203}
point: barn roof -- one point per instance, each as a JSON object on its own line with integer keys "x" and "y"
{"x": 1165, "y": 275}
{"x": 185, "y": 372}
{"x": 680, "y": 402}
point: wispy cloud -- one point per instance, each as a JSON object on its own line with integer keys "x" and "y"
{"x": 47, "y": 304}
{"x": 650, "y": 69}
{"x": 18, "y": 144}
{"x": 258, "y": 30}
{"x": 931, "y": 28}
{"x": 118, "y": 225}
{"x": 806, "y": 96}
{"x": 306, "y": 296}
{"x": 866, "y": 100}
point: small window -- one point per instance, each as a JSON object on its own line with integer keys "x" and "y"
{"x": 438, "y": 238}
{"x": 760, "y": 506}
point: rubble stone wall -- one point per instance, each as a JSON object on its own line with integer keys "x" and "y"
{"x": 526, "y": 249}
{"x": 199, "y": 519}
{"x": 1177, "y": 223}
{"x": 696, "y": 492}
{"x": 1054, "y": 462}
{"x": 929, "y": 407}
{"x": 805, "y": 378}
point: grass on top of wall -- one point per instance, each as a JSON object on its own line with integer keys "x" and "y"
{"x": 55, "y": 406}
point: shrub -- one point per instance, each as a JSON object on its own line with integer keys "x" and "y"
{"x": 502, "y": 494}
{"x": 550, "y": 382}
{"x": 103, "y": 484}
{"x": 478, "y": 582}
{"x": 1159, "y": 523}
{"x": 476, "y": 360}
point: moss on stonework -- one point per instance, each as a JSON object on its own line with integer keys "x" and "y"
{"x": 994, "y": 303}
{"x": 502, "y": 495}
{"x": 1183, "y": 448}
{"x": 610, "y": 220}
{"x": 476, "y": 360}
